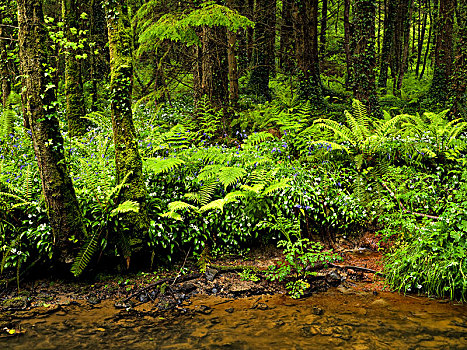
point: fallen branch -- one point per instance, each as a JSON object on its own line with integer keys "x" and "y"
{"x": 178, "y": 279}
{"x": 358, "y": 268}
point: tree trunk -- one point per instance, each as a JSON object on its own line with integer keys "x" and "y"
{"x": 324, "y": 24}
{"x": 459, "y": 78}
{"x": 363, "y": 57}
{"x": 347, "y": 35}
{"x": 286, "y": 38}
{"x": 305, "y": 24}
{"x": 408, "y": 6}
{"x": 214, "y": 66}
{"x": 127, "y": 158}
{"x": 388, "y": 34}
{"x": 421, "y": 39}
{"x": 439, "y": 89}
{"x": 263, "y": 52}
{"x": 75, "y": 108}
{"x": 62, "y": 206}
{"x": 430, "y": 31}
{"x": 232, "y": 61}
{"x": 6, "y": 79}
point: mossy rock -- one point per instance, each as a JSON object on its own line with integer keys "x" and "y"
{"x": 15, "y": 303}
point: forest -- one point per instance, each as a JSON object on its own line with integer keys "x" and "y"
{"x": 145, "y": 133}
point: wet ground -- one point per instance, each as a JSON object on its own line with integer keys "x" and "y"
{"x": 340, "y": 318}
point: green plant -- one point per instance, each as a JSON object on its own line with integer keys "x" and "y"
{"x": 249, "y": 275}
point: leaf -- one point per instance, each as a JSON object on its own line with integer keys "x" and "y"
{"x": 125, "y": 207}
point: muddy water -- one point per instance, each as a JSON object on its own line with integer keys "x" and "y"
{"x": 332, "y": 320}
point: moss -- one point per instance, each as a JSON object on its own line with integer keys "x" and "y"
{"x": 127, "y": 157}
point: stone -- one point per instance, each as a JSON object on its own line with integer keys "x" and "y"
{"x": 211, "y": 274}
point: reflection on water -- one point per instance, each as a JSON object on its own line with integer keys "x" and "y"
{"x": 331, "y": 320}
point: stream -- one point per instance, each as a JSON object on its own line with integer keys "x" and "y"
{"x": 336, "y": 319}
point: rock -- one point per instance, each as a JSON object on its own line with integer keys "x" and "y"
{"x": 317, "y": 311}
{"x": 380, "y": 303}
{"x": 260, "y": 306}
{"x": 15, "y": 303}
{"x": 93, "y": 300}
{"x": 229, "y": 310}
{"x": 204, "y": 309}
{"x": 211, "y": 274}
{"x": 143, "y": 298}
{"x": 345, "y": 290}
{"x": 333, "y": 278}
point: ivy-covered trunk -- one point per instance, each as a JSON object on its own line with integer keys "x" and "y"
{"x": 75, "y": 108}
{"x": 127, "y": 158}
{"x": 6, "y": 82}
{"x": 439, "y": 90}
{"x": 263, "y": 52}
{"x": 232, "y": 59}
{"x": 363, "y": 57}
{"x": 62, "y": 206}
{"x": 305, "y": 25}
{"x": 388, "y": 35}
{"x": 459, "y": 77}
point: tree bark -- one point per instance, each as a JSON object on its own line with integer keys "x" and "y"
{"x": 263, "y": 51}
{"x": 305, "y": 24}
{"x": 347, "y": 35}
{"x": 62, "y": 206}
{"x": 408, "y": 8}
{"x": 6, "y": 78}
{"x": 286, "y": 36}
{"x": 388, "y": 34}
{"x": 421, "y": 39}
{"x": 363, "y": 57}
{"x": 439, "y": 89}
{"x": 232, "y": 61}
{"x": 127, "y": 158}
{"x": 459, "y": 78}
{"x": 75, "y": 107}
{"x": 324, "y": 24}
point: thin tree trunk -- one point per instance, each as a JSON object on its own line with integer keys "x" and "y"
{"x": 232, "y": 61}
{"x": 459, "y": 78}
{"x": 62, "y": 206}
{"x": 127, "y": 158}
{"x": 6, "y": 79}
{"x": 425, "y": 57}
{"x": 347, "y": 35}
{"x": 421, "y": 39}
{"x": 406, "y": 44}
{"x": 324, "y": 24}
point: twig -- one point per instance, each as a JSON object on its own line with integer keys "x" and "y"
{"x": 183, "y": 265}
{"x": 404, "y": 209}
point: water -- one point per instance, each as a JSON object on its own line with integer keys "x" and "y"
{"x": 332, "y": 320}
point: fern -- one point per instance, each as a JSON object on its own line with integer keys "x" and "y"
{"x": 89, "y": 248}
{"x": 163, "y": 165}
{"x": 125, "y": 207}
{"x": 100, "y": 119}
{"x": 230, "y": 175}
{"x": 256, "y": 138}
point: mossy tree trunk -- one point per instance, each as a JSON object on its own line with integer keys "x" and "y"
{"x": 232, "y": 59}
{"x": 286, "y": 37}
{"x": 62, "y": 206}
{"x": 388, "y": 35}
{"x": 364, "y": 56}
{"x": 75, "y": 107}
{"x": 6, "y": 78}
{"x": 127, "y": 158}
{"x": 439, "y": 89}
{"x": 305, "y": 25}
{"x": 263, "y": 53}
{"x": 459, "y": 77}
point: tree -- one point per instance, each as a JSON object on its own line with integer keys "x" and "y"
{"x": 439, "y": 89}
{"x": 6, "y": 79}
{"x": 388, "y": 36}
{"x": 62, "y": 206}
{"x": 459, "y": 78}
{"x": 127, "y": 158}
{"x": 263, "y": 51}
{"x": 75, "y": 108}
{"x": 364, "y": 56}
{"x": 305, "y": 25}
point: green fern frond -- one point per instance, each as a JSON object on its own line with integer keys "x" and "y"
{"x": 206, "y": 192}
{"x": 204, "y": 259}
{"x": 161, "y": 165}
{"x": 100, "y": 119}
{"x": 231, "y": 175}
{"x": 256, "y": 138}
{"x": 125, "y": 207}
{"x": 209, "y": 171}
{"x": 216, "y": 204}
{"x": 85, "y": 255}
{"x": 115, "y": 191}
{"x": 278, "y": 186}
{"x": 179, "y": 205}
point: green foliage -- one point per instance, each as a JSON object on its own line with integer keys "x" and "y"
{"x": 300, "y": 255}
